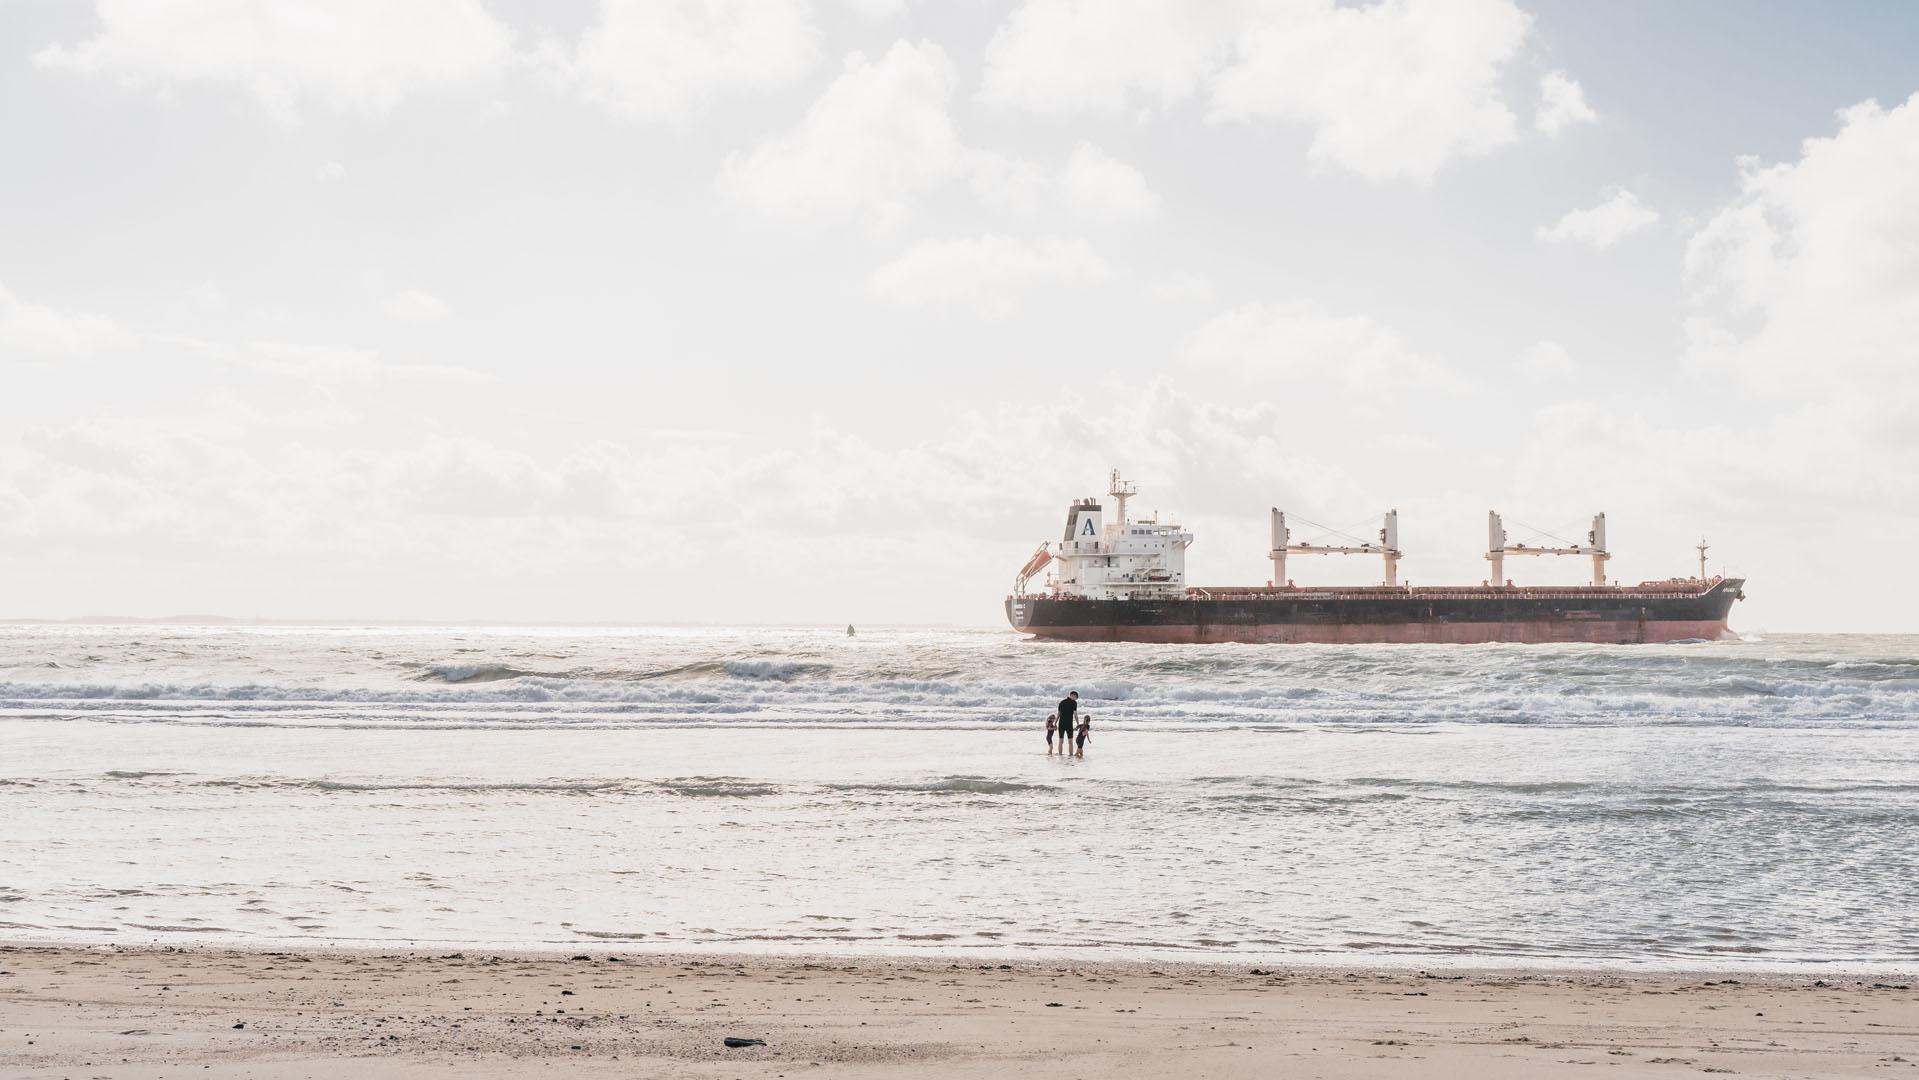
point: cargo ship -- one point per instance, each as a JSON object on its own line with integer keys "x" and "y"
{"x": 1125, "y": 580}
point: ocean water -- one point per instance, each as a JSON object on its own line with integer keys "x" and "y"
{"x": 1719, "y": 805}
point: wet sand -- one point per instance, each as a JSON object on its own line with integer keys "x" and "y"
{"x": 85, "y": 1012}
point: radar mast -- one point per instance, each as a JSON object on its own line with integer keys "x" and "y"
{"x": 1122, "y": 490}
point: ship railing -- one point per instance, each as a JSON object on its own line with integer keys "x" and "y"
{"x": 1347, "y": 594}
{"x": 1650, "y": 590}
{"x": 1677, "y": 588}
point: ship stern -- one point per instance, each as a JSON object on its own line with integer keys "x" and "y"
{"x": 1019, "y": 612}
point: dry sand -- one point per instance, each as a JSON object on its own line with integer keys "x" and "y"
{"x": 85, "y": 1013}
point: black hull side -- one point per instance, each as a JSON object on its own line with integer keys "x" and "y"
{"x": 1615, "y": 616}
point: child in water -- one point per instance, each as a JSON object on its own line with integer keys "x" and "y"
{"x": 1052, "y": 726}
{"x": 1085, "y": 732}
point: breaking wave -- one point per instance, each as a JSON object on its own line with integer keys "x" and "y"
{"x": 772, "y": 669}
{"x": 723, "y": 787}
{"x": 474, "y": 680}
{"x": 470, "y": 673}
{"x": 788, "y": 697}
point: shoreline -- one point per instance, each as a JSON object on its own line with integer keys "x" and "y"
{"x": 213, "y": 1011}
{"x": 1784, "y": 971}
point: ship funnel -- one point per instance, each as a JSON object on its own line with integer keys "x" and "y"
{"x": 1084, "y": 527}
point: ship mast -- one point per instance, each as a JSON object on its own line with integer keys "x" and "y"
{"x": 1702, "y": 558}
{"x": 1122, "y": 490}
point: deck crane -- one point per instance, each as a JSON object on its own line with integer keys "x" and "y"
{"x": 1387, "y": 548}
{"x": 1497, "y": 549}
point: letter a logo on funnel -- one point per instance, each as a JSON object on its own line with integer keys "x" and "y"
{"x": 1088, "y": 530}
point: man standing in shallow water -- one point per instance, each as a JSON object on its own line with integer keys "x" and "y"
{"x": 1068, "y": 705}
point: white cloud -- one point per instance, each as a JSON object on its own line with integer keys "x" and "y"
{"x": 208, "y": 296}
{"x": 664, "y": 60}
{"x": 1092, "y": 184}
{"x": 878, "y": 137}
{"x": 1810, "y": 276}
{"x": 308, "y": 363}
{"x": 1101, "y": 186}
{"x": 349, "y": 55}
{"x": 1183, "y": 286}
{"x": 876, "y": 9}
{"x": 1562, "y": 104}
{"x": 1601, "y": 226}
{"x": 1395, "y": 89}
{"x": 1058, "y": 56}
{"x": 1547, "y": 362}
{"x": 415, "y": 306}
{"x": 881, "y": 137}
{"x": 989, "y": 274}
{"x": 231, "y": 512}
{"x": 1301, "y": 342}
{"x": 1010, "y": 184}
{"x": 30, "y": 331}
{"x": 36, "y": 332}
{"x": 1733, "y": 261}
{"x": 324, "y": 364}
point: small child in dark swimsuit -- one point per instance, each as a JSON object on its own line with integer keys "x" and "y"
{"x": 1052, "y": 727}
{"x": 1085, "y": 732}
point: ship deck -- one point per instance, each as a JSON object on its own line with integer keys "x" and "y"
{"x": 1677, "y": 587}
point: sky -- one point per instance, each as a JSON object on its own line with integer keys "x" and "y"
{"x": 820, "y": 311}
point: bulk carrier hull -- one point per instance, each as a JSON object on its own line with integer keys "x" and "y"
{"x": 1656, "y": 612}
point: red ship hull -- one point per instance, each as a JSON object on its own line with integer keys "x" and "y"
{"x": 1599, "y": 633}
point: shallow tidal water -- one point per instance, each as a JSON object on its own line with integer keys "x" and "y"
{"x": 1707, "y": 805}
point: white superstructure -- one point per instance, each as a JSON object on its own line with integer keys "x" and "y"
{"x": 1122, "y": 559}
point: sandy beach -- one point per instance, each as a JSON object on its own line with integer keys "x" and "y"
{"x": 97, "y": 1012}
